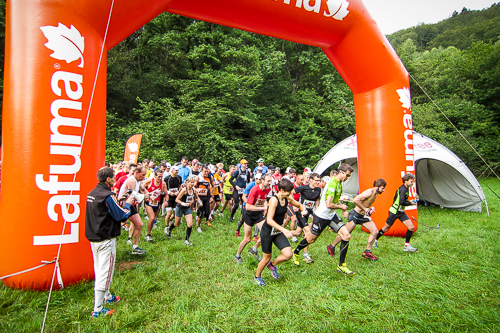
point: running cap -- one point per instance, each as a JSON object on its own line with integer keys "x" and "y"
{"x": 168, "y": 165}
{"x": 307, "y": 170}
{"x": 287, "y": 170}
{"x": 271, "y": 167}
{"x": 175, "y": 167}
{"x": 260, "y": 160}
{"x": 260, "y": 168}
{"x": 258, "y": 176}
{"x": 243, "y": 161}
{"x": 195, "y": 161}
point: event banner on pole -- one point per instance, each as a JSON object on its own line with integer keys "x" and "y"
{"x": 132, "y": 148}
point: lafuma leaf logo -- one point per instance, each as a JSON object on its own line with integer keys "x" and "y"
{"x": 133, "y": 147}
{"x": 405, "y": 97}
{"x": 337, "y": 9}
{"x": 67, "y": 43}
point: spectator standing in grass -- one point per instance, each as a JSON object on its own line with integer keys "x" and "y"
{"x": 102, "y": 226}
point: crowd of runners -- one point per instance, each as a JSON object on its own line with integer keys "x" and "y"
{"x": 281, "y": 207}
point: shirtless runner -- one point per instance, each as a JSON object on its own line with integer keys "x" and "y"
{"x": 361, "y": 215}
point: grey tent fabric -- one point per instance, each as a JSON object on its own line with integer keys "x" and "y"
{"x": 442, "y": 178}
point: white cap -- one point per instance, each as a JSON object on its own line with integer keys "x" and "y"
{"x": 168, "y": 165}
{"x": 175, "y": 167}
{"x": 258, "y": 176}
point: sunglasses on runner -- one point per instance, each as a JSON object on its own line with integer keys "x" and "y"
{"x": 347, "y": 174}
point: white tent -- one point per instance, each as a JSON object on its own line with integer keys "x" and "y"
{"x": 442, "y": 178}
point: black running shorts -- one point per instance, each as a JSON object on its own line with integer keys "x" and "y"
{"x": 251, "y": 218}
{"x": 204, "y": 210}
{"x": 155, "y": 208}
{"x": 320, "y": 224}
{"x": 357, "y": 218}
{"x": 302, "y": 221}
{"x": 393, "y": 217}
{"x": 267, "y": 240}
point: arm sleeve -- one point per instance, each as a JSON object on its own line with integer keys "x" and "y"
{"x": 402, "y": 197}
{"x": 118, "y": 213}
{"x": 233, "y": 177}
{"x": 299, "y": 189}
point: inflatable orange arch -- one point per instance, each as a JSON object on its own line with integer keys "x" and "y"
{"x": 54, "y": 115}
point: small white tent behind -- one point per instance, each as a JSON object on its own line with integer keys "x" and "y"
{"x": 442, "y": 178}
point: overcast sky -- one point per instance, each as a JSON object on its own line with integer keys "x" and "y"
{"x": 394, "y": 15}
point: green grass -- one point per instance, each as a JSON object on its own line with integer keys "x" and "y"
{"x": 450, "y": 285}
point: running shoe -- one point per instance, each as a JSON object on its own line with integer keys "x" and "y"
{"x": 274, "y": 270}
{"x": 409, "y": 248}
{"x": 138, "y": 251}
{"x": 375, "y": 244}
{"x": 295, "y": 259}
{"x": 344, "y": 270}
{"x": 256, "y": 238}
{"x": 113, "y": 299}
{"x": 187, "y": 242}
{"x": 221, "y": 214}
{"x": 369, "y": 255}
{"x": 129, "y": 241}
{"x": 125, "y": 227}
{"x": 236, "y": 233}
{"x": 199, "y": 230}
{"x": 210, "y": 218}
{"x": 209, "y": 224}
{"x": 167, "y": 232}
{"x": 294, "y": 239}
{"x": 255, "y": 254}
{"x": 259, "y": 281}
{"x": 149, "y": 238}
{"x": 231, "y": 219}
{"x": 154, "y": 224}
{"x": 103, "y": 312}
{"x": 237, "y": 260}
{"x": 308, "y": 259}
{"x": 331, "y": 250}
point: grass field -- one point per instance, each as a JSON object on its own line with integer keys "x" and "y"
{"x": 451, "y": 284}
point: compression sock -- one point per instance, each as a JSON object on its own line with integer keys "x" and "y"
{"x": 240, "y": 223}
{"x": 255, "y": 230}
{"x": 235, "y": 208}
{"x": 171, "y": 226}
{"x": 409, "y": 233}
{"x": 380, "y": 233}
{"x": 188, "y": 232}
{"x": 344, "y": 245}
{"x": 302, "y": 245}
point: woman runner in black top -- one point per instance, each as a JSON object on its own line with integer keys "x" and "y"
{"x": 274, "y": 232}
{"x": 184, "y": 201}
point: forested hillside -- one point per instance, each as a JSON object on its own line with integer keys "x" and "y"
{"x": 215, "y": 93}
{"x": 219, "y": 94}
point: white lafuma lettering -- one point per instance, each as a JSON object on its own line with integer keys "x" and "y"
{"x": 65, "y": 145}
{"x": 405, "y": 99}
{"x": 335, "y": 8}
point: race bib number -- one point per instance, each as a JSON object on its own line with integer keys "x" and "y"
{"x": 309, "y": 204}
{"x": 260, "y": 202}
{"x": 202, "y": 191}
{"x": 189, "y": 198}
{"x": 275, "y": 231}
{"x": 230, "y": 189}
{"x": 174, "y": 190}
{"x": 240, "y": 191}
{"x": 153, "y": 203}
